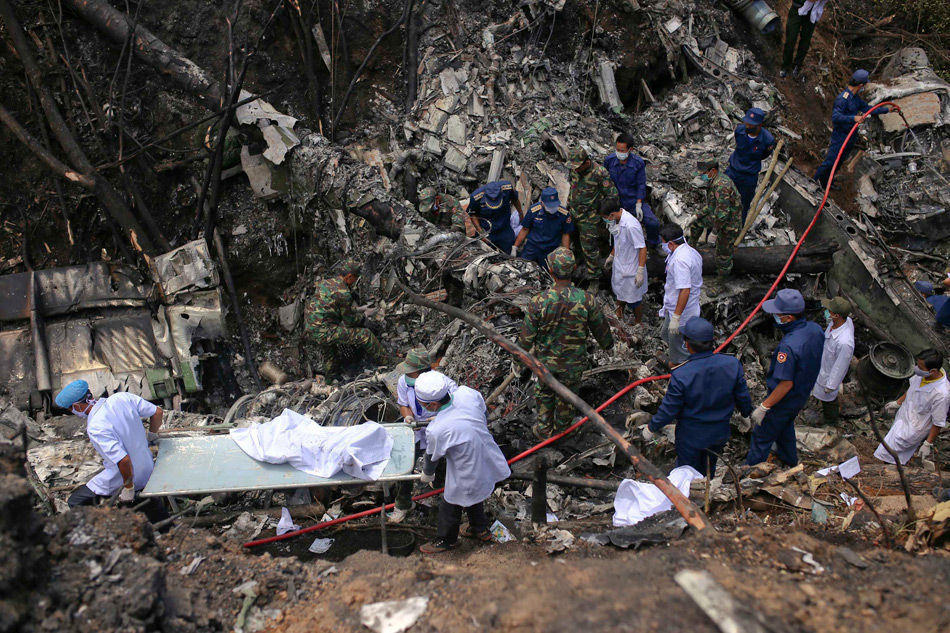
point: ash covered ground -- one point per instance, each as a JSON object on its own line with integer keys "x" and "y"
{"x": 458, "y": 93}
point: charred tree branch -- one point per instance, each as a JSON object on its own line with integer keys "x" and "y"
{"x": 57, "y": 167}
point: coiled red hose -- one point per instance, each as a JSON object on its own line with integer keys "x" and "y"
{"x": 633, "y": 385}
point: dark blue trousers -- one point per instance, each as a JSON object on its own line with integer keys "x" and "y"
{"x": 504, "y": 240}
{"x": 702, "y": 458}
{"x": 651, "y": 225}
{"x": 745, "y": 184}
{"x": 778, "y": 427}
{"x": 824, "y": 169}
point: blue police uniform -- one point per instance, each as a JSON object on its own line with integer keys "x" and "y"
{"x": 701, "y": 396}
{"x": 937, "y": 301}
{"x": 746, "y": 162}
{"x": 630, "y": 179}
{"x": 797, "y": 358}
{"x": 846, "y": 106}
{"x": 545, "y": 231}
{"x": 494, "y": 216}
{"x": 943, "y": 312}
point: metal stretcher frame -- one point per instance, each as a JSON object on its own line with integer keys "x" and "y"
{"x": 215, "y": 463}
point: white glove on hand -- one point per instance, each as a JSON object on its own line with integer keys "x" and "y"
{"x": 151, "y": 437}
{"x": 891, "y": 407}
{"x": 127, "y": 495}
{"x": 428, "y": 479}
{"x": 408, "y": 419}
{"x": 514, "y": 251}
{"x": 675, "y": 323}
{"x": 609, "y": 262}
{"x": 638, "y": 277}
{"x": 759, "y": 414}
{"x": 639, "y": 210}
{"x": 744, "y": 425}
{"x": 925, "y": 450}
{"x": 646, "y": 433}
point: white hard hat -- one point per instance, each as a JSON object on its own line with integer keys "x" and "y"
{"x": 431, "y": 386}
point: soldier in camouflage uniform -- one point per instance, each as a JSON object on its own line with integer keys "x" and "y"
{"x": 445, "y": 210}
{"x": 722, "y": 215}
{"x": 333, "y": 325}
{"x": 590, "y": 185}
{"x": 556, "y": 324}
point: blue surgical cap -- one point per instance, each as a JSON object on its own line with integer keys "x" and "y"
{"x": 72, "y": 393}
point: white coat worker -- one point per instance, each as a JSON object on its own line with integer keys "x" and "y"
{"x": 921, "y": 412}
{"x": 114, "y": 425}
{"x": 835, "y": 357}
{"x": 474, "y": 463}
{"x": 417, "y": 361}
{"x": 684, "y": 282}
{"x": 628, "y": 258}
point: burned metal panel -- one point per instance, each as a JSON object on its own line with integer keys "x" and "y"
{"x": 125, "y": 344}
{"x": 889, "y": 302}
{"x": 186, "y": 269}
{"x": 17, "y": 365}
{"x": 63, "y": 290}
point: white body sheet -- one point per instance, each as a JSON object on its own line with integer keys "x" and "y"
{"x": 474, "y": 463}
{"x": 637, "y": 500}
{"x": 361, "y": 451}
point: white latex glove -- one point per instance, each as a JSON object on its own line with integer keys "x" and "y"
{"x": 151, "y": 437}
{"x": 675, "y": 323}
{"x": 408, "y": 420}
{"x": 891, "y": 407}
{"x": 428, "y": 479}
{"x": 639, "y": 210}
{"x": 127, "y": 495}
{"x": 646, "y": 433}
{"x": 745, "y": 424}
{"x": 514, "y": 251}
{"x": 759, "y": 414}
{"x": 638, "y": 277}
{"x": 925, "y": 450}
{"x": 609, "y": 262}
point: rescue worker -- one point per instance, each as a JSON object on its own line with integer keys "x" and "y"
{"x": 590, "y": 187}
{"x": 443, "y": 209}
{"x": 835, "y": 356}
{"x": 556, "y": 324}
{"x": 722, "y": 215}
{"x": 847, "y": 110}
{"x": 937, "y": 302}
{"x": 546, "y": 226}
{"x": 702, "y": 394}
{"x": 490, "y": 208}
{"x": 799, "y": 27}
{"x": 459, "y": 433}
{"x": 684, "y": 282}
{"x": 753, "y": 144}
{"x": 333, "y": 324}
{"x": 791, "y": 376}
{"x": 416, "y": 362}
{"x": 114, "y": 426}
{"x": 920, "y": 413}
{"x": 629, "y": 175}
{"x": 628, "y": 258}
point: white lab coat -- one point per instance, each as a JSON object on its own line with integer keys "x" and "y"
{"x": 924, "y": 407}
{"x": 406, "y": 397}
{"x": 474, "y": 463}
{"x": 835, "y": 360}
{"x": 115, "y": 429}
{"x": 628, "y": 240}
{"x": 684, "y": 269}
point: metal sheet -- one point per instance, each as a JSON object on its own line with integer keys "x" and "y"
{"x": 215, "y": 463}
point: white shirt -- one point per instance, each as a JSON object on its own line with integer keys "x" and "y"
{"x": 515, "y": 221}
{"x": 684, "y": 269}
{"x": 474, "y": 463}
{"x": 115, "y": 429}
{"x": 628, "y": 240}
{"x": 924, "y": 407}
{"x": 406, "y": 397}
{"x": 835, "y": 360}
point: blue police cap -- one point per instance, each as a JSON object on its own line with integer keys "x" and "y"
{"x": 786, "y": 301}
{"x": 924, "y": 287}
{"x": 72, "y": 393}
{"x": 753, "y": 116}
{"x": 860, "y": 77}
{"x": 549, "y": 197}
{"x": 493, "y": 194}
{"x": 698, "y": 329}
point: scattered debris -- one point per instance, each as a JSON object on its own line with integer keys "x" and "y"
{"x": 394, "y": 616}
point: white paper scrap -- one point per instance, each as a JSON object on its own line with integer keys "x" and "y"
{"x": 286, "y": 523}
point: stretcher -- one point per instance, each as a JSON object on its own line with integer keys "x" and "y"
{"x": 215, "y": 463}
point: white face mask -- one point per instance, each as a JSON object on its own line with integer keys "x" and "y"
{"x": 622, "y": 156}
{"x": 923, "y": 373}
{"x": 86, "y": 409}
{"x": 551, "y": 210}
{"x": 666, "y": 249}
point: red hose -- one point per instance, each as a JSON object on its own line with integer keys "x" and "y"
{"x": 625, "y": 390}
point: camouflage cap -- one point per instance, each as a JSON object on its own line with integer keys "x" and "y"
{"x": 417, "y": 359}
{"x": 348, "y": 266}
{"x": 706, "y": 164}
{"x": 578, "y": 155}
{"x": 561, "y": 262}
{"x": 426, "y": 199}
